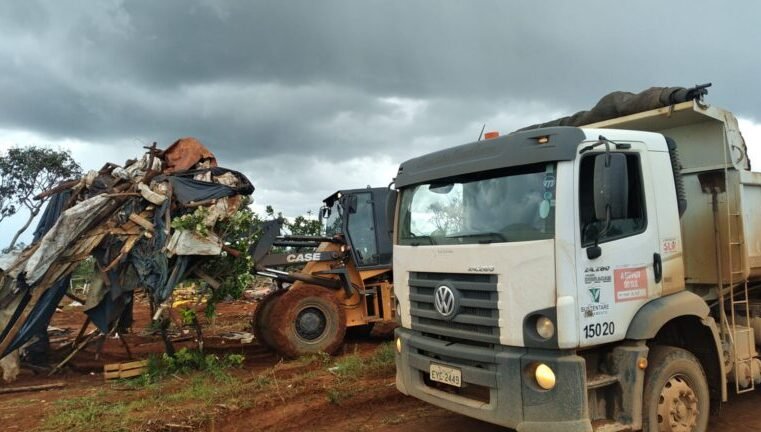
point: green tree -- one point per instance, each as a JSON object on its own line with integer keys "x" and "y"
{"x": 302, "y": 225}
{"x": 25, "y": 172}
{"x": 234, "y": 271}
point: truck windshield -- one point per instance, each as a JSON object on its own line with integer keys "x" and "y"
{"x": 332, "y": 224}
{"x": 516, "y": 204}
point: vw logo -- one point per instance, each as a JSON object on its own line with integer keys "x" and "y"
{"x": 445, "y": 301}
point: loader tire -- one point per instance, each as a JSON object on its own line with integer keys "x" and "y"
{"x": 676, "y": 397}
{"x": 261, "y": 324}
{"x": 306, "y": 320}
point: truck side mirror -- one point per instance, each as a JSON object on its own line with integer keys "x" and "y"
{"x": 391, "y": 211}
{"x": 611, "y": 187}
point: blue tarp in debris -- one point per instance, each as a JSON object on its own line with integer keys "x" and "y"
{"x": 38, "y": 320}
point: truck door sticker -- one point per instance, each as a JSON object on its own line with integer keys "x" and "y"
{"x": 549, "y": 185}
{"x": 670, "y": 245}
{"x": 630, "y": 284}
{"x": 598, "y": 281}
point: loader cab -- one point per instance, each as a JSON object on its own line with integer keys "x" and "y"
{"x": 359, "y": 214}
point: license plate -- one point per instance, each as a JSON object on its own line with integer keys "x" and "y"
{"x": 446, "y": 375}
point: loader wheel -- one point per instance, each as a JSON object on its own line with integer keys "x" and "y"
{"x": 305, "y": 320}
{"x": 676, "y": 395}
{"x": 261, "y": 321}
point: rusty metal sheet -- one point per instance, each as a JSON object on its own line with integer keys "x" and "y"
{"x": 185, "y": 153}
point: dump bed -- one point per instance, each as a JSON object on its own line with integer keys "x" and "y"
{"x": 714, "y": 161}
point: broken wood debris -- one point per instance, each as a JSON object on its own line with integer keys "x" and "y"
{"x": 124, "y": 370}
{"x": 122, "y": 217}
{"x": 41, "y": 387}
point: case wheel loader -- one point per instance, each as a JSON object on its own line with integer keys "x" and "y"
{"x": 345, "y": 281}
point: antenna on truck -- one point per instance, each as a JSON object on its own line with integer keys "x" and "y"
{"x": 482, "y": 132}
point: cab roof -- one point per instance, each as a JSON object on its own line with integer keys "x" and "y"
{"x": 518, "y": 148}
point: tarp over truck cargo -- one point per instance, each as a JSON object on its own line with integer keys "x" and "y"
{"x": 619, "y": 104}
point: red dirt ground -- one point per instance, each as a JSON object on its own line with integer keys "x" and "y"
{"x": 298, "y": 403}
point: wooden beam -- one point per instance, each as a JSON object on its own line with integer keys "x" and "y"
{"x": 32, "y": 388}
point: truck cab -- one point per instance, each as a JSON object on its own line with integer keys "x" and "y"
{"x": 544, "y": 279}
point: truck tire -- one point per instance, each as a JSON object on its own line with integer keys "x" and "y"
{"x": 306, "y": 320}
{"x": 260, "y": 322}
{"x": 676, "y": 397}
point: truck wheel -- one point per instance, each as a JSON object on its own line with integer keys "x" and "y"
{"x": 307, "y": 319}
{"x": 676, "y": 395}
{"x": 261, "y": 324}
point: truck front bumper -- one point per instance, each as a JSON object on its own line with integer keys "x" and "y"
{"x": 497, "y": 383}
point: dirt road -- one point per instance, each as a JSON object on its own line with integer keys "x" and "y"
{"x": 352, "y": 392}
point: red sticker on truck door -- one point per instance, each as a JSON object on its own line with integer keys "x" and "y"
{"x": 630, "y": 284}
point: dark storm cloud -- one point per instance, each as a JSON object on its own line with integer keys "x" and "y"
{"x": 268, "y": 74}
{"x": 293, "y": 90}
{"x": 307, "y": 97}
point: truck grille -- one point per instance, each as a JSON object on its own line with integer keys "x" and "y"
{"x": 478, "y": 317}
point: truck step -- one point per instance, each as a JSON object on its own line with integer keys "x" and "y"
{"x": 607, "y": 426}
{"x": 601, "y": 380}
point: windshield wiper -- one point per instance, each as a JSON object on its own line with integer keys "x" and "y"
{"x": 415, "y": 241}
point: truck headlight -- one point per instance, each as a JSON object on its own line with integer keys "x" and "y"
{"x": 545, "y": 327}
{"x": 399, "y": 345}
{"x": 544, "y": 376}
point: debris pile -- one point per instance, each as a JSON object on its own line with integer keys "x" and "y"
{"x": 148, "y": 224}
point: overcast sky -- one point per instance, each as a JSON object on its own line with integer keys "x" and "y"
{"x": 307, "y": 97}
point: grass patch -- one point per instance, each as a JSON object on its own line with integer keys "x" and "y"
{"x": 380, "y": 363}
{"x": 81, "y": 413}
{"x": 352, "y": 367}
{"x": 393, "y": 420}
{"x": 262, "y": 382}
{"x": 208, "y": 384}
{"x": 336, "y": 395}
{"x": 322, "y": 358}
{"x": 183, "y": 362}
{"x": 194, "y": 387}
{"x": 349, "y": 366}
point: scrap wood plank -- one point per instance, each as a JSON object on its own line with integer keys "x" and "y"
{"x": 126, "y": 248}
{"x": 4, "y": 390}
{"x": 143, "y": 222}
{"x": 125, "y": 370}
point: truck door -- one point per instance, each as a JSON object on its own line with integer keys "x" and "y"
{"x": 613, "y": 286}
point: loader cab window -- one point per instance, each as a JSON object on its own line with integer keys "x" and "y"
{"x": 332, "y": 223}
{"x": 361, "y": 229}
{"x": 635, "y": 220}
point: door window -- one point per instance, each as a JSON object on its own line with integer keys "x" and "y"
{"x": 634, "y": 222}
{"x": 362, "y": 231}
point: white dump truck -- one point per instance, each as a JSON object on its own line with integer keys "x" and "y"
{"x": 584, "y": 275}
